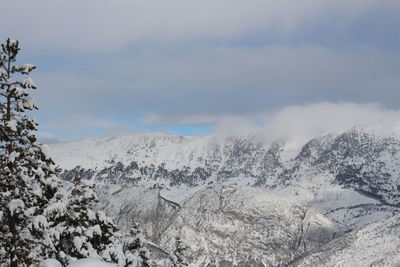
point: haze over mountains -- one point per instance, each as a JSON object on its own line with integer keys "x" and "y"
{"x": 238, "y": 200}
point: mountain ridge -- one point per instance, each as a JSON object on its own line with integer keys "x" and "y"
{"x": 351, "y": 179}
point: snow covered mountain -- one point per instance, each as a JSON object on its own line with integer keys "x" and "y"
{"x": 235, "y": 226}
{"x": 376, "y": 244}
{"x": 349, "y": 180}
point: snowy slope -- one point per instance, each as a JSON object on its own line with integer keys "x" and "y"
{"x": 344, "y": 176}
{"x": 242, "y": 226}
{"x": 351, "y": 179}
{"x": 149, "y": 148}
{"x": 377, "y": 244}
{"x": 164, "y": 159}
{"x": 136, "y": 204}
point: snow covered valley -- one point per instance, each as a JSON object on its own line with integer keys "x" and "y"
{"x": 236, "y": 201}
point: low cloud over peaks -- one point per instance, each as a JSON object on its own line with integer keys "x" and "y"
{"x": 300, "y": 123}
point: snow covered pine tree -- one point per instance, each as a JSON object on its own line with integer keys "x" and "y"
{"x": 78, "y": 230}
{"x": 26, "y": 173}
{"x": 40, "y": 216}
{"x": 177, "y": 259}
{"x": 136, "y": 254}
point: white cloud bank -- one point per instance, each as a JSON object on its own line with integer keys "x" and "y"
{"x": 300, "y": 123}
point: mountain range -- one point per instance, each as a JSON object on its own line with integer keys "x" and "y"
{"x": 240, "y": 201}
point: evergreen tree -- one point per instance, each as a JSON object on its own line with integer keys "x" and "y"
{"x": 78, "y": 231}
{"x": 41, "y": 217}
{"x": 27, "y": 180}
{"x": 177, "y": 259}
{"x": 135, "y": 252}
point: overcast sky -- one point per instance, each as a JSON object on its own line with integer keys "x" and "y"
{"x": 192, "y": 67}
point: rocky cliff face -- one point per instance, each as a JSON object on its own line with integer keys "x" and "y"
{"x": 163, "y": 181}
{"x": 376, "y": 244}
{"x": 245, "y": 226}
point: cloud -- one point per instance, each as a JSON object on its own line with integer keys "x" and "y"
{"x": 104, "y": 62}
{"x": 207, "y": 82}
{"x": 195, "y": 119}
{"x": 302, "y": 123}
{"x": 101, "y": 25}
{"x": 75, "y": 122}
{"x": 207, "y": 79}
{"x": 299, "y": 123}
{"x": 48, "y": 138}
